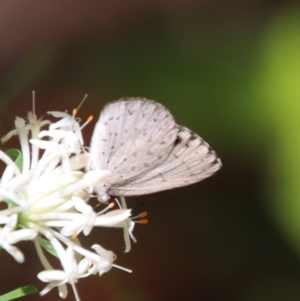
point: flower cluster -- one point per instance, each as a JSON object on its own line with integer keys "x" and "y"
{"x": 44, "y": 190}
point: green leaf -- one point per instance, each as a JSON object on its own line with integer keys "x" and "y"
{"x": 279, "y": 106}
{"x": 46, "y": 245}
{"x": 18, "y": 293}
{"x": 16, "y": 156}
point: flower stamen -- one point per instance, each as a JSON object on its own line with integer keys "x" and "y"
{"x": 142, "y": 221}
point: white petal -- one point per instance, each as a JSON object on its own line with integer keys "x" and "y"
{"x": 88, "y": 228}
{"x": 58, "y": 114}
{"x": 9, "y": 135}
{"x": 101, "y": 251}
{"x": 17, "y": 182}
{"x": 105, "y": 264}
{"x": 56, "y": 134}
{"x": 43, "y": 144}
{"x": 6, "y": 194}
{"x": 113, "y": 218}
{"x": 19, "y": 122}
{"x": 73, "y": 226}
{"x": 23, "y": 234}
{"x": 81, "y": 206}
{"x": 128, "y": 226}
{"x": 89, "y": 179}
{"x": 69, "y": 263}
{"x": 96, "y": 177}
{"x": 79, "y": 161}
{"x": 47, "y": 289}
{"x": 52, "y": 275}
{"x": 63, "y": 291}
{"x": 8, "y": 174}
{"x": 8, "y": 161}
{"x": 12, "y": 221}
{"x": 14, "y": 252}
{"x": 84, "y": 265}
{"x": 4, "y": 219}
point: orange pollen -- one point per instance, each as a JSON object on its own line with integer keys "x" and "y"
{"x": 143, "y": 221}
{"x": 75, "y": 235}
{"x": 90, "y": 118}
{"x": 143, "y": 214}
{"x": 75, "y": 112}
{"x": 111, "y": 205}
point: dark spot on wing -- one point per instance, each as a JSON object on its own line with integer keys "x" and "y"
{"x": 178, "y": 140}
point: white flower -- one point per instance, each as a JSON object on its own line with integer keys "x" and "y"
{"x": 46, "y": 187}
{"x": 9, "y": 237}
{"x": 88, "y": 218}
{"x": 105, "y": 262}
{"x": 59, "y": 277}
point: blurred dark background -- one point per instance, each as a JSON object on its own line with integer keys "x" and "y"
{"x": 230, "y": 71}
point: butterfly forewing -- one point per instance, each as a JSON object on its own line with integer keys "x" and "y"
{"x": 138, "y": 141}
{"x": 132, "y": 137}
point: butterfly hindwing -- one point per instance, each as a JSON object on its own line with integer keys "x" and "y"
{"x": 190, "y": 160}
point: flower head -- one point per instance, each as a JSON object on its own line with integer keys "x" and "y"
{"x": 46, "y": 187}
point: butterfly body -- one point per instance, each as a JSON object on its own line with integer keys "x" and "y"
{"x": 145, "y": 151}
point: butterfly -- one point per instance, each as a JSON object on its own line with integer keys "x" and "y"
{"x": 138, "y": 141}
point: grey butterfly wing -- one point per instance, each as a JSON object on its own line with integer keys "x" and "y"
{"x": 131, "y": 137}
{"x": 191, "y": 160}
